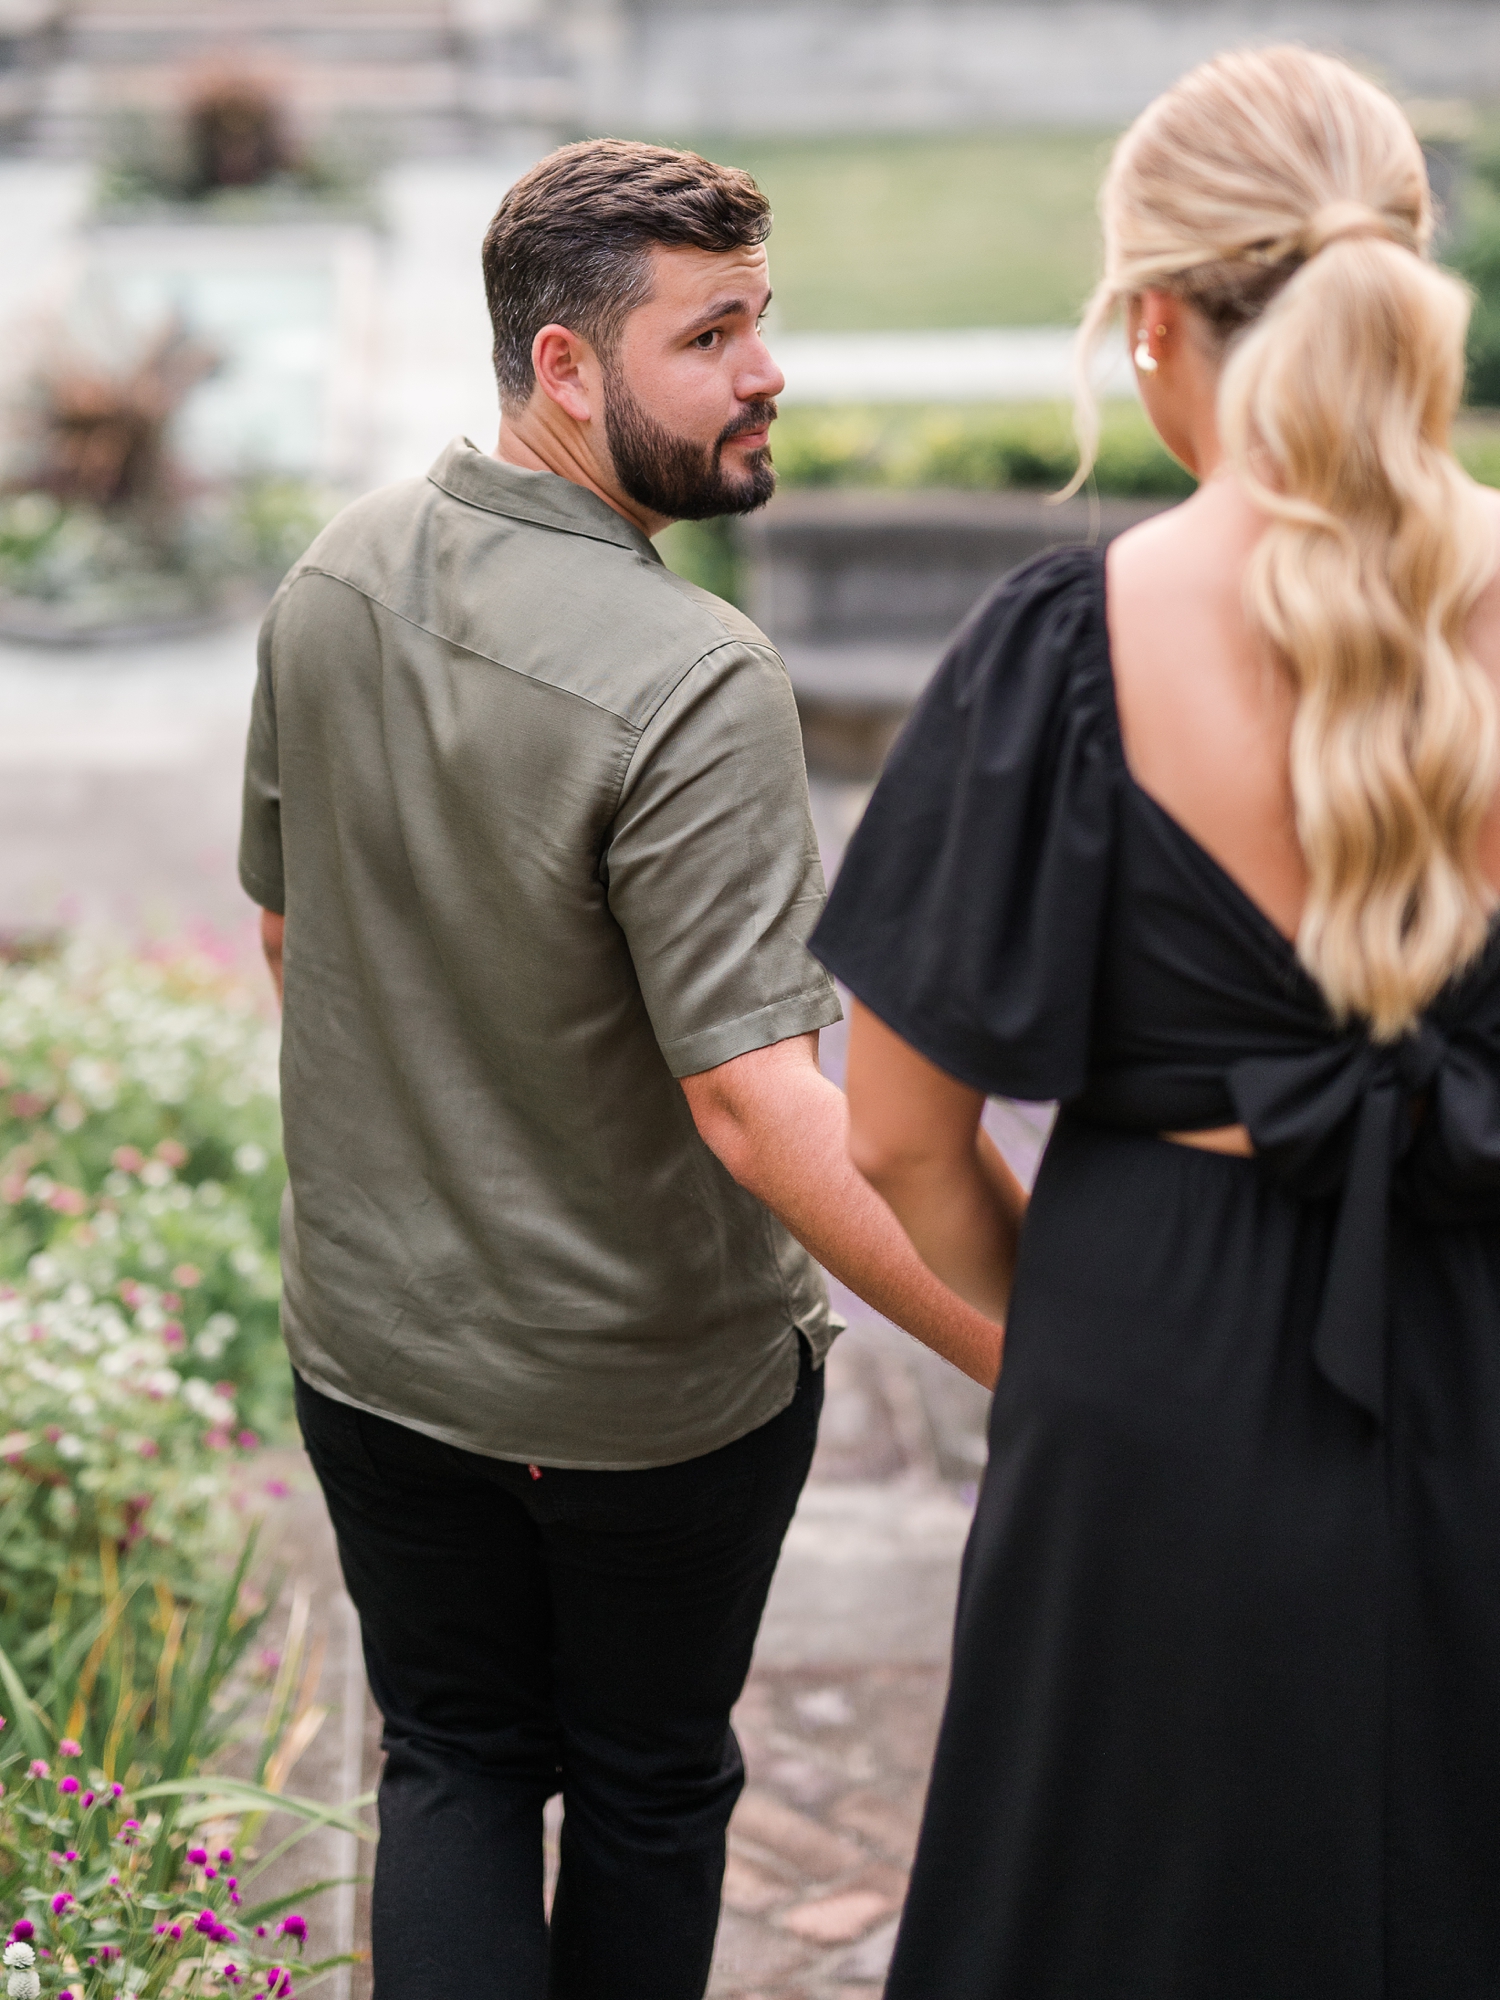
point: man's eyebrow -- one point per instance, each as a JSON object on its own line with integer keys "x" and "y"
{"x": 726, "y": 309}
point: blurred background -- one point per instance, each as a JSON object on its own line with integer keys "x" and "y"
{"x": 239, "y": 284}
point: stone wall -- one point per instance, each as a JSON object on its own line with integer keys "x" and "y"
{"x": 814, "y": 65}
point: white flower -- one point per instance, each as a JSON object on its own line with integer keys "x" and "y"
{"x": 23, "y": 1986}
{"x": 249, "y": 1158}
{"x": 18, "y": 1953}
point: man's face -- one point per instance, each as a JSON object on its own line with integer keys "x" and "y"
{"x": 688, "y": 391}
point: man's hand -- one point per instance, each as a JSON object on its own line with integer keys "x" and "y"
{"x": 781, "y": 1129}
{"x": 272, "y": 935}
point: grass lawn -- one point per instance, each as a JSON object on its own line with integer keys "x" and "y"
{"x": 979, "y": 229}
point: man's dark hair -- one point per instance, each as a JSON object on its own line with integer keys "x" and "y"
{"x": 570, "y": 243}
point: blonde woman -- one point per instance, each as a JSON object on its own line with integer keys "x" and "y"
{"x": 1202, "y": 838}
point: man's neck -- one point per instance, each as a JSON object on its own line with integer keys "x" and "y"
{"x": 542, "y": 448}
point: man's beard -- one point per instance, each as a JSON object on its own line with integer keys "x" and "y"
{"x": 675, "y": 476}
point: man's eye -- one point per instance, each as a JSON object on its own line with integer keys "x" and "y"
{"x": 707, "y": 340}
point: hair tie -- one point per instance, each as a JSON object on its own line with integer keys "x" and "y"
{"x": 1341, "y": 221}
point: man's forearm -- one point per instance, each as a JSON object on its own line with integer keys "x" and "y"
{"x": 789, "y": 1147}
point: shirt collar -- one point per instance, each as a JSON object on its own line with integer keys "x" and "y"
{"x": 473, "y": 476}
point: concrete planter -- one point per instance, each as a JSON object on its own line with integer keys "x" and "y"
{"x": 860, "y": 591}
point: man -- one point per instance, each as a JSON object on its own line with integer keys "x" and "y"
{"x": 535, "y": 812}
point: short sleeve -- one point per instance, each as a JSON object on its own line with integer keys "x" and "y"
{"x": 969, "y": 909}
{"x": 261, "y": 873}
{"x": 712, "y": 865}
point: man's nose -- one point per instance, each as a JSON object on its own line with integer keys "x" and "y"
{"x": 761, "y": 379}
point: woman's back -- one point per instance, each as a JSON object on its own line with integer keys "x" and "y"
{"x": 1206, "y": 714}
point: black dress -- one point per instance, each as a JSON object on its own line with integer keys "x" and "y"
{"x": 1224, "y": 1721}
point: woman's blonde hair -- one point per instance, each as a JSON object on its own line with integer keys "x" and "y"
{"x": 1285, "y": 198}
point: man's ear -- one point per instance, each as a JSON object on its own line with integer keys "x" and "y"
{"x": 560, "y": 360}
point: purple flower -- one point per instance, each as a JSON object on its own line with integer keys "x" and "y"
{"x": 60, "y": 1902}
{"x": 159, "y": 1930}
{"x": 224, "y": 1935}
{"x": 67, "y": 1785}
{"x": 207, "y": 1922}
{"x": 23, "y": 1931}
{"x": 293, "y": 1927}
{"x": 71, "y": 1855}
{"x": 210, "y": 1874}
{"x": 226, "y": 1855}
{"x": 114, "y": 1881}
{"x": 66, "y": 1994}
{"x": 197, "y": 1855}
{"x": 88, "y": 1800}
{"x": 117, "y": 1791}
{"x": 260, "y": 1930}
{"x": 175, "y": 1933}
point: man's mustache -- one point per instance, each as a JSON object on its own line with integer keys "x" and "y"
{"x": 754, "y": 417}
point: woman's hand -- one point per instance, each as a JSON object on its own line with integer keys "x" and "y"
{"x": 914, "y": 1134}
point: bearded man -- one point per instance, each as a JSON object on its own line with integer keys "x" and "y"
{"x": 528, "y": 818}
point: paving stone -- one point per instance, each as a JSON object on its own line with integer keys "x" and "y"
{"x": 869, "y": 1962}
{"x": 820, "y": 1853}
{"x": 837, "y": 1919}
{"x": 749, "y": 1956}
{"x": 888, "y": 1824}
{"x": 752, "y": 1889}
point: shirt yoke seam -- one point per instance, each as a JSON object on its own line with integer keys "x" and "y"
{"x": 446, "y": 639}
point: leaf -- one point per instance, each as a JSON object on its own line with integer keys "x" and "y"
{"x": 24, "y": 1714}
{"x": 274, "y": 1907}
{"x": 239, "y": 1791}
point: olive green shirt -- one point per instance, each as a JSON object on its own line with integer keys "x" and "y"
{"x": 535, "y": 810}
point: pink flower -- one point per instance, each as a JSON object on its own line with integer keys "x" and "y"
{"x": 68, "y": 1748}
{"x": 68, "y": 1785}
{"x": 24, "y": 1931}
{"x": 277, "y": 1488}
{"x": 128, "y": 1160}
{"x": 131, "y": 1293}
{"x": 172, "y": 1333}
{"x": 293, "y": 1927}
{"x": 248, "y": 1441}
{"x": 87, "y": 1801}
{"x": 117, "y": 1791}
{"x": 150, "y": 1448}
{"x": 197, "y": 1855}
{"x": 67, "y": 1201}
{"x": 172, "y": 1301}
{"x": 226, "y": 1855}
{"x": 39, "y": 1769}
{"x": 60, "y": 1902}
{"x": 187, "y": 1275}
{"x": 173, "y": 1152}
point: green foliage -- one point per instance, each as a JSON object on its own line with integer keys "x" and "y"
{"x": 1028, "y": 446}
{"x": 1477, "y": 258}
{"x": 123, "y": 1869}
{"x": 704, "y": 552}
{"x": 92, "y": 566}
{"x": 962, "y": 229}
{"x": 140, "y": 1355}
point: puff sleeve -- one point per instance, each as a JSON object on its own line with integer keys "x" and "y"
{"x": 969, "y": 910}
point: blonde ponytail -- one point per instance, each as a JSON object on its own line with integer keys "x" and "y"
{"x": 1286, "y": 199}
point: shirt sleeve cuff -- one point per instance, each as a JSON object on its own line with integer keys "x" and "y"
{"x": 690, "y": 1055}
{"x": 260, "y": 889}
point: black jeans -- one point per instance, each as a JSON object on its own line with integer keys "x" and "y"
{"x": 581, "y": 1632}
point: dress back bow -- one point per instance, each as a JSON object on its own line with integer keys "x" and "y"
{"x": 1360, "y": 1122}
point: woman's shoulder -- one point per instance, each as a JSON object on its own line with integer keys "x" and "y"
{"x": 1034, "y": 654}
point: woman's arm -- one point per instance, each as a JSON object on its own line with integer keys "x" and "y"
{"x": 914, "y": 1134}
